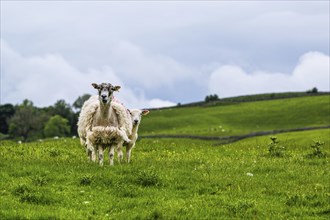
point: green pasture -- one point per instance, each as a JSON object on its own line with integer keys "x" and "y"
{"x": 265, "y": 177}
{"x": 168, "y": 179}
{"x": 240, "y": 118}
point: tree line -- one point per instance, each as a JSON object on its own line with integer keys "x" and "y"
{"x": 27, "y": 122}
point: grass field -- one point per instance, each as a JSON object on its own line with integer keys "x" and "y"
{"x": 240, "y": 118}
{"x": 180, "y": 178}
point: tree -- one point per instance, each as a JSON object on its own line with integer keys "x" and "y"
{"x": 211, "y": 98}
{"x": 24, "y": 121}
{"x": 57, "y": 126}
{"x": 313, "y": 90}
{"x": 64, "y": 110}
{"x": 6, "y": 111}
{"x": 80, "y": 101}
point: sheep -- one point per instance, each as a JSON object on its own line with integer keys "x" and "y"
{"x": 100, "y": 117}
{"x": 136, "y": 115}
{"x": 114, "y": 135}
{"x": 85, "y": 122}
{"x": 103, "y": 136}
{"x": 87, "y": 115}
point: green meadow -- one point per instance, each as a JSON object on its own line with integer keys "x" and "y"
{"x": 264, "y": 177}
{"x": 240, "y": 118}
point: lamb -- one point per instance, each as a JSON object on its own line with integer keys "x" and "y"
{"x": 103, "y": 123}
{"x": 103, "y": 136}
{"x": 136, "y": 115}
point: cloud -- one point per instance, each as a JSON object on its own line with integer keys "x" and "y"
{"x": 48, "y": 78}
{"x": 144, "y": 68}
{"x": 156, "y": 103}
{"x": 44, "y": 79}
{"x": 154, "y": 50}
{"x": 311, "y": 71}
{"x": 135, "y": 98}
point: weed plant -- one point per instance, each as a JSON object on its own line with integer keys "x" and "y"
{"x": 317, "y": 150}
{"x": 275, "y": 149}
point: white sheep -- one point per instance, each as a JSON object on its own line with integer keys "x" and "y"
{"x": 136, "y": 115}
{"x": 103, "y": 123}
{"x": 103, "y": 136}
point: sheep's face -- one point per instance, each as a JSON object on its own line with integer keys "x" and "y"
{"x": 136, "y": 115}
{"x": 105, "y": 91}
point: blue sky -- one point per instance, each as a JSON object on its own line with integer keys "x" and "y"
{"x": 163, "y": 52}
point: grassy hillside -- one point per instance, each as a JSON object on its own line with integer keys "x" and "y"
{"x": 255, "y": 97}
{"x": 240, "y": 118}
{"x": 167, "y": 179}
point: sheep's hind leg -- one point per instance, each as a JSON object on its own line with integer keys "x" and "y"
{"x": 101, "y": 156}
{"x": 93, "y": 155}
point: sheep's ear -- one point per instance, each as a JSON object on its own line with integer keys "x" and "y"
{"x": 115, "y": 88}
{"x": 95, "y": 85}
{"x": 145, "y": 112}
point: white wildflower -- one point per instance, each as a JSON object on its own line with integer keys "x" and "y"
{"x": 249, "y": 174}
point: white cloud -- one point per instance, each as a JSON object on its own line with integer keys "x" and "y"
{"x": 135, "y": 98}
{"x": 311, "y": 71}
{"x": 144, "y": 68}
{"x": 156, "y": 103}
{"x": 48, "y": 78}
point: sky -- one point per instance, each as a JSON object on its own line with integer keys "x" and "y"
{"x": 161, "y": 53}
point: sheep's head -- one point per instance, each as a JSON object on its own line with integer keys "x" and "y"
{"x": 136, "y": 115}
{"x": 105, "y": 91}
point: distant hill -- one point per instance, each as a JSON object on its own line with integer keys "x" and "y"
{"x": 241, "y": 115}
{"x": 250, "y": 98}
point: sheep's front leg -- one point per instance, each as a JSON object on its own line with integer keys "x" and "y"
{"x": 128, "y": 152}
{"x": 120, "y": 154}
{"x": 91, "y": 154}
{"x": 111, "y": 154}
{"x": 120, "y": 151}
{"x": 101, "y": 155}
